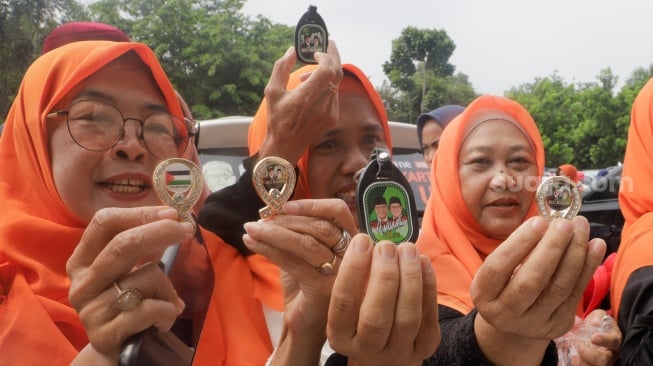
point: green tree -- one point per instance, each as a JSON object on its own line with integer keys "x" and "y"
{"x": 216, "y": 57}
{"x": 421, "y": 77}
{"x": 23, "y": 26}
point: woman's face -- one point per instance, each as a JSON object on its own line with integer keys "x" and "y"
{"x": 430, "y": 139}
{"x": 121, "y": 176}
{"x": 346, "y": 148}
{"x": 498, "y": 176}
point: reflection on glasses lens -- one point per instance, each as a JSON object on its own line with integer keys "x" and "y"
{"x": 98, "y": 126}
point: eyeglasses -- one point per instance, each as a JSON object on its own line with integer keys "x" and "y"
{"x": 99, "y": 126}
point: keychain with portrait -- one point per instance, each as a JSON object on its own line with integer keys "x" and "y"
{"x": 385, "y": 201}
{"x": 310, "y": 36}
{"x": 558, "y": 197}
{"x": 179, "y": 184}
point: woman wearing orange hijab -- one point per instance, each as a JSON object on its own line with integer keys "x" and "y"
{"x": 401, "y": 284}
{"x": 631, "y": 277}
{"x": 79, "y": 220}
{"x": 508, "y": 281}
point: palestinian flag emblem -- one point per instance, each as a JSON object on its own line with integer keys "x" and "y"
{"x": 178, "y": 178}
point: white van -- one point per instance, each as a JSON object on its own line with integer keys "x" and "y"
{"x": 222, "y": 146}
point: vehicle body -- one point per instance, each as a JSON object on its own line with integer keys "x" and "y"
{"x": 601, "y": 206}
{"x": 222, "y": 146}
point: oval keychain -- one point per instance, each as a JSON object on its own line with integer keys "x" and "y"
{"x": 274, "y": 181}
{"x": 178, "y": 183}
{"x": 558, "y": 197}
{"x": 310, "y": 36}
{"x": 385, "y": 201}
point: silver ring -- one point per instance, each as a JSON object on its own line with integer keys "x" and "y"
{"x": 328, "y": 268}
{"x": 128, "y": 298}
{"x": 333, "y": 87}
{"x": 343, "y": 243}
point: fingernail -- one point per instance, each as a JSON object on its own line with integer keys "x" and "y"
{"x": 361, "y": 245}
{"x": 290, "y": 50}
{"x": 167, "y": 213}
{"x": 581, "y": 225}
{"x": 180, "y": 305}
{"x": 388, "y": 250}
{"x": 564, "y": 225}
{"x": 540, "y": 224}
{"x": 291, "y": 208}
{"x": 408, "y": 253}
{"x": 426, "y": 264}
{"x": 251, "y": 227}
{"x": 188, "y": 227}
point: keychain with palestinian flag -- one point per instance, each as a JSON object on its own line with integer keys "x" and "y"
{"x": 178, "y": 183}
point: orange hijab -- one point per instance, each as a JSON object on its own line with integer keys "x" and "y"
{"x": 635, "y": 198}
{"x": 38, "y": 232}
{"x": 450, "y": 236}
{"x": 259, "y": 125}
{"x": 570, "y": 171}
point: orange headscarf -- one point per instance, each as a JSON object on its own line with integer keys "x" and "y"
{"x": 635, "y": 198}
{"x": 569, "y": 171}
{"x": 450, "y": 236}
{"x": 38, "y": 233}
{"x": 259, "y": 125}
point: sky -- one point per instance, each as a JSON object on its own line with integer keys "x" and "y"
{"x": 499, "y": 43}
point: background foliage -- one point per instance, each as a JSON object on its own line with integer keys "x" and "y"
{"x": 219, "y": 59}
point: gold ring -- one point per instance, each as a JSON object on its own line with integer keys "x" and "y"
{"x": 128, "y": 298}
{"x": 328, "y": 268}
{"x": 343, "y": 243}
{"x": 333, "y": 87}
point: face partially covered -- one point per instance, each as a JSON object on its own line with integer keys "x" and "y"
{"x": 430, "y": 138}
{"x": 122, "y": 175}
{"x": 345, "y": 149}
{"x": 498, "y": 176}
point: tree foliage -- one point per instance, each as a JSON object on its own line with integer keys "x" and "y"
{"x": 217, "y": 58}
{"x": 23, "y": 26}
{"x": 421, "y": 77}
{"x": 220, "y": 61}
{"x": 585, "y": 124}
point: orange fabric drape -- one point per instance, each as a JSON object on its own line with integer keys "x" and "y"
{"x": 258, "y": 127}
{"x": 450, "y": 236}
{"x": 635, "y": 198}
{"x": 570, "y": 171}
{"x": 38, "y": 233}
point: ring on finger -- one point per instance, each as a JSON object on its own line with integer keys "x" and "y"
{"x": 333, "y": 87}
{"x": 128, "y": 298}
{"x": 328, "y": 268}
{"x": 343, "y": 243}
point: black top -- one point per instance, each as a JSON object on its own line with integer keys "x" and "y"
{"x": 458, "y": 346}
{"x": 636, "y": 319}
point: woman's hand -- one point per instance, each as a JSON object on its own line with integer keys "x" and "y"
{"x": 302, "y": 242}
{"x": 604, "y": 345}
{"x": 528, "y": 289}
{"x": 297, "y": 116}
{"x": 120, "y": 248}
{"x": 384, "y": 305}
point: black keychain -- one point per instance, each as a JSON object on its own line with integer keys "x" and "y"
{"x": 385, "y": 201}
{"x": 310, "y": 36}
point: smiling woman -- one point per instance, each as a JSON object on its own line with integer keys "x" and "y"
{"x": 480, "y": 226}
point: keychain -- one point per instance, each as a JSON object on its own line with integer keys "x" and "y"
{"x": 385, "y": 201}
{"x": 310, "y": 36}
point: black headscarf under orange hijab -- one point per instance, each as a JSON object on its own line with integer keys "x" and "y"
{"x": 635, "y": 198}
{"x": 258, "y": 128}
{"x": 38, "y": 232}
{"x": 450, "y": 236}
